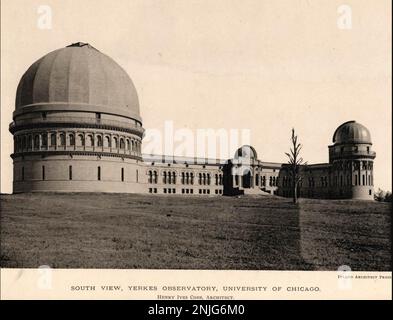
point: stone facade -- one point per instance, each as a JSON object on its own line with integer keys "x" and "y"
{"x": 77, "y": 128}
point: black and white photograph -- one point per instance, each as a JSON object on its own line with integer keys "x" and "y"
{"x": 208, "y": 136}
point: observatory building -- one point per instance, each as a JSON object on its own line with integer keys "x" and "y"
{"x": 77, "y": 128}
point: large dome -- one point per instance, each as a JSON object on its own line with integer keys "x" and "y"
{"x": 77, "y": 78}
{"x": 352, "y": 132}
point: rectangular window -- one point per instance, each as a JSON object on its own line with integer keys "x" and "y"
{"x": 174, "y": 191}
{"x": 369, "y": 192}
{"x": 122, "y": 174}
{"x": 164, "y": 190}
{"x": 150, "y": 190}
{"x": 70, "y": 172}
{"x": 99, "y": 173}
{"x": 155, "y": 190}
{"x": 43, "y": 172}
{"x": 192, "y": 191}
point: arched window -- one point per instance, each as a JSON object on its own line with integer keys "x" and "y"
{"x": 44, "y": 141}
{"x": 24, "y": 142}
{"x": 107, "y": 142}
{"x": 187, "y": 178}
{"x": 169, "y": 177}
{"x": 236, "y": 180}
{"x": 192, "y": 178}
{"x": 53, "y": 139}
{"x": 270, "y": 181}
{"x": 62, "y": 139}
{"x": 72, "y": 139}
{"x": 164, "y": 177}
{"x": 132, "y": 145}
{"x": 36, "y": 142}
{"x": 89, "y": 140}
{"x": 115, "y": 143}
{"x": 155, "y": 177}
{"x": 99, "y": 141}
{"x": 220, "y": 179}
{"x": 150, "y": 177}
{"x": 208, "y": 179}
{"x": 183, "y": 181}
{"x": 18, "y": 144}
{"x": 216, "y": 179}
{"x": 128, "y": 146}
{"x": 80, "y": 140}
{"x": 200, "y": 178}
{"x": 122, "y": 145}
{"x": 174, "y": 177}
{"x": 204, "y": 178}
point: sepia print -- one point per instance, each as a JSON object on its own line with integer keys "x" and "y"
{"x": 198, "y": 135}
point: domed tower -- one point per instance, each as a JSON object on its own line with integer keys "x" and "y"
{"x": 245, "y": 167}
{"x": 76, "y": 125}
{"x": 352, "y": 162}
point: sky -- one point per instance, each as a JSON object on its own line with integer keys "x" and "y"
{"x": 266, "y": 66}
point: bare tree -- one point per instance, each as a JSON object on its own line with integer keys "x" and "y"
{"x": 295, "y": 161}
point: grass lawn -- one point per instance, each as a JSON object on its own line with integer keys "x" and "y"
{"x": 178, "y": 232}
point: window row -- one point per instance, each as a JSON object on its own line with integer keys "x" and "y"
{"x": 261, "y": 180}
{"x": 184, "y": 191}
{"x": 353, "y": 165}
{"x": 42, "y": 141}
{"x": 187, "y": 178}
{"x": 70, "y": 173}
{"x": 169, "y": 190}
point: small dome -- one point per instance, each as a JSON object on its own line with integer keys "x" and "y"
{"x": 246, "y": 151}
{"x": 352, "y": 132}
{"x": 77, "y": 78}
